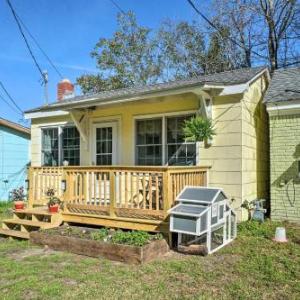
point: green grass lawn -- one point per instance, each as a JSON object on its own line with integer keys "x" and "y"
{"x": 252, "y": 267}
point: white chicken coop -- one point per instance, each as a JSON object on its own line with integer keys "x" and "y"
{"x": 203, "y": 216}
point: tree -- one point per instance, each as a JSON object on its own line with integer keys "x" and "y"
{"x": 281, "y": 18}
{"x": 136, "y": 56}
{"x": 128, "y": 58}
{"x": 183, "y": 49}
{"x": 266, "y": 30}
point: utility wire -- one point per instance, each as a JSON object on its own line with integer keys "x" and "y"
{"x": 25, "y": 40}
{"x": 218, "y": 29}
{"x": 10, "y": 97}
{"x": 39, "y": 46}
{"x": 9, "y": 105}
{"x": 118, "y": 6}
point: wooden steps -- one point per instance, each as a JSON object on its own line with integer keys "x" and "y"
{"x": 26, "y": 220}
{"x": 14, "y": 233}
{"x": 29, "y": 223}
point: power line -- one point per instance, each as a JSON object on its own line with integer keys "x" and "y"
{"x": 11, "y": 98}
{"x": 9, "y": 105}
{"x": 218, "y": 29}
{"x": 25, "y": 39}
{"x": 118, "y": 6}
{"x": 39, "y": 46}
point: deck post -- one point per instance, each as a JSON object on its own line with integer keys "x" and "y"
{"x": 63, "y": 193}
{"x": 31, "y": 190}
{"x": 167, "y": 191}
{"x": 112, "y": 193}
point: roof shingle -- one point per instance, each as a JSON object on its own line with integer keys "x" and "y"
{"x": 233, "y": 77}
{"x": 285, "y": 86}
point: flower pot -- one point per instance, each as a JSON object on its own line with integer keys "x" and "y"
{"x": 53, "y": 208}
{"x": 19, "y": 205}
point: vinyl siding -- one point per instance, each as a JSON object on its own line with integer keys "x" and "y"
{"x": 14, "y": 157}
{"x": 285, "y": 154}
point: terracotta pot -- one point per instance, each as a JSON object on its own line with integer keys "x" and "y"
{"x": 53, "y": 208}
{"x": 19, "y": 205}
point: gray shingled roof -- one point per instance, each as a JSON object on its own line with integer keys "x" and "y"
{"x": 285, "y": 86}
{"x": 233, "y": 77}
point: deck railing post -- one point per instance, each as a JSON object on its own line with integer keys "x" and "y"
{"x": 30, "y": 190}
{"x": 64, "y": 192}
{"x": 112, "y": 193}
{"x": 167, "y": 191}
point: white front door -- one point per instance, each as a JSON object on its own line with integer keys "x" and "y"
{"x": 105, "y": 144}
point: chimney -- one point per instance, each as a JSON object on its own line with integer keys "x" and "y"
{"x": 65, "y": 89}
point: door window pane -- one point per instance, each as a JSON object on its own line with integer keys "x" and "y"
{"x": 104, "y": 145}
{"x": 71, "y": 146}
{"x": 50, "y": 147}
{"x": 149, "y": 142}
{"x": 178, "y": 151}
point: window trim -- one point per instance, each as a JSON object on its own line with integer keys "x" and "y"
{"x": 164, "y": 117}
{"x": 60, "y": 128}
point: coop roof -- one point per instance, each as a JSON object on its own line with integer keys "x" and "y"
{"x": 189, "y": 210}
{"x": 202, "y": 195}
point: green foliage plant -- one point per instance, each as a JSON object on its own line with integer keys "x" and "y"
{"x": 198, "y": 129}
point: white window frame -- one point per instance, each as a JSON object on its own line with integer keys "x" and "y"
{"x": 114, "y": 126}
{"x": 164, "y": 130}
{"x": 60, "y": 148}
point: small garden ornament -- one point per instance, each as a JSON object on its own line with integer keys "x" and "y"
{"x": 18, "y": 196}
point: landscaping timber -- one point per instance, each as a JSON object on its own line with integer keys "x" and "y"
{"x": 117, "y": 252}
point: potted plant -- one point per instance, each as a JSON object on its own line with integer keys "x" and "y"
{"x": 54, "y": 202}
{"x": 18, "y": 197}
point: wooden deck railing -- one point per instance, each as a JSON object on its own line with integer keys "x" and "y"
{"x": 114, "y": 190}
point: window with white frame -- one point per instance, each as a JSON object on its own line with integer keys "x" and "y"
{"x": 149, "y": 142}
{"x": 178, "y": 151}
{"x": 60, "y": 144}
{"x": 71, "y": 146}
{"x": 161, "y": 141}
{"x": 50, "y": 147}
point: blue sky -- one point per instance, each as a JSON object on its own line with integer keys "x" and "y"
{"x": 67, "y": 30}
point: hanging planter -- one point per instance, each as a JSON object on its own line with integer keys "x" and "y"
{"x": 198, "y": 129}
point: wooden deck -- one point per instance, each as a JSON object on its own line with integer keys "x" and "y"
{"x": 115, "y": 196}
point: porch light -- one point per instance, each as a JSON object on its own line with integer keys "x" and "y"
{"x": 63, "y": 185}
{"x": 27, "y": 184}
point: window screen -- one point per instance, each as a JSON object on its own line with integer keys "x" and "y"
{"x": 71, "y": 145}
{"x": 50, "y": 147}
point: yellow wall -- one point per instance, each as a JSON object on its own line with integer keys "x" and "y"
{"x": 238, "y": 155}
{"x": 255, "y": 141}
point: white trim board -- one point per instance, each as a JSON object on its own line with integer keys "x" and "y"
{"x": 44, "y": 114}
{"x": 275, "y": 109}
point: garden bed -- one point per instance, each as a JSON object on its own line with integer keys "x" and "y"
{"x": 129, "y": 247}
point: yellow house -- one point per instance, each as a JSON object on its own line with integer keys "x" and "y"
{"x": 119, "y": 158}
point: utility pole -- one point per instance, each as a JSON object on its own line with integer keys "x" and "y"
{"x": 45, "y": 79}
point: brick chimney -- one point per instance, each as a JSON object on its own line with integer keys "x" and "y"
{"x": 65, "y": 89}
